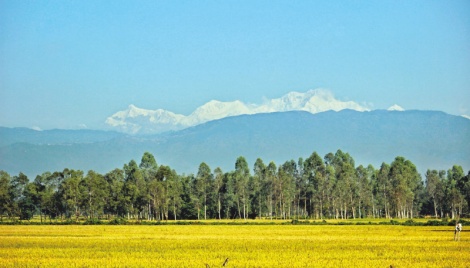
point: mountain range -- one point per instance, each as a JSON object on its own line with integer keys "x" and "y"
{"x": 136, "y": 120}
{"x": 429, "y": 139}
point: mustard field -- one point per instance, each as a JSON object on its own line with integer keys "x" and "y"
{"x": 244, "y": 245}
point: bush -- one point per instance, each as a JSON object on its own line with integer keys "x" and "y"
{"x": 118, "y": 221}
{"x": 93, "y": 221}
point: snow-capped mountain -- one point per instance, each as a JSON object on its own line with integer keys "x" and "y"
{"x": 136, "y": 120}
{"x": 395, "y": 107}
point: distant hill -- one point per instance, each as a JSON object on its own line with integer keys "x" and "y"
{"x": 10, "y": 136}
{"x": 429, "y": 139}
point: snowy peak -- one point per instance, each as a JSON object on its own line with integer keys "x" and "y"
{"x": 313, "y": 101}
{"x": 136, "y": 120}
{"x": 395, "y": 107}
{"x": 216, "y": 110}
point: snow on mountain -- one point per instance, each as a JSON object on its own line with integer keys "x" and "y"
{"x": 136, "y": 120}
{"x": 395, "y": 107}
{"x": 214, "y": 110}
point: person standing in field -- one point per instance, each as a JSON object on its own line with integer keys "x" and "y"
{"x": 458, "y": 229}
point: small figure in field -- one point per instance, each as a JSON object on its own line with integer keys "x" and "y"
{"x": 458, "y": 229}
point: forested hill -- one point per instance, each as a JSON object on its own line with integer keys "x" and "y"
{"x": 10, "y": 136}
{"x": 429, "y": 139}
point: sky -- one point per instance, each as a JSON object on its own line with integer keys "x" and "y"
{"x": 72, "y": 64}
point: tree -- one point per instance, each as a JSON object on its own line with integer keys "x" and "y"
{"x": 364, "y": 189}
{"x": 203, "y": 186}
{"x": 455, "y": 198}
{"x": 242, "y": 175}
{"x": 382, "y": 190}
{"x": 434, "y": 188}
{"x": 5, "y": 200}
{"x": 148, "y": 168}
{"x": 256, "y": 187}
{"x": 94, "y": 194}
{"x": 270, "y": 186}
{"x": 135, "y": 189}
{"x": 26, "y": 204}
{"x": 174, "y": 192}
{"x": 148, "y": 162}
{"x": 115, "y": 201}
{"x": 218, "y": 186}
{"x": 16, "y": 192}
{"x": 70, "y": 192}
{"x": 47, "y": 188}
{"x": 286, "y": 174}
{"x": 405, "y": 182}
{"x": 464, "y": 186}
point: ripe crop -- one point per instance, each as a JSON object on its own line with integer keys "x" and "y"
{"x": 244, "y": 245}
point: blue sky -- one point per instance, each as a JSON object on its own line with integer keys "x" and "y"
{"x": 67, "y": 64}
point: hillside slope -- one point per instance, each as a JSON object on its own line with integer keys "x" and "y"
{"x": 429, "y": 139}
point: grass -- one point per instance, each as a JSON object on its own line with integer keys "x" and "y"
{"x": 245, "y": 246}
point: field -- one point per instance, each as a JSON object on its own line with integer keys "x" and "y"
{"x": 244, "y": 245}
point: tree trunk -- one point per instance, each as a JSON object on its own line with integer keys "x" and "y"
{"x": 218, "y": 206}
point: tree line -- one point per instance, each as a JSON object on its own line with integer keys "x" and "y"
{"x": 332, "y": 187}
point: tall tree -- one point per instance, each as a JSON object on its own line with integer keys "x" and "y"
{"x": 135, "y": 189}
{"x": 203, "y": 186}
{"x": 115, "y": 201}
{"x": 218, "y": 187}
{"x": 5, "y": 200}
{"x": 70, "y": 192}
{"x": 148, "y": 168}
{"x": 174, "y": 191}
{"x": 257, "y": 182}
{"x": 94, "y": 194}
{"x": 455, "y": 198}
{"x": 382, "y": 190}
{"x": 434, "y": 188}
{"x": 405, "y": 181}
{"x": 16, "y": 192}
{"x": 242, "y": 175}
{"x": 270, "y": 186}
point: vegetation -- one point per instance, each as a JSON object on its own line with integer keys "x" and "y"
{"x": 244, "y": 246}
{"x": 316, "y": 188}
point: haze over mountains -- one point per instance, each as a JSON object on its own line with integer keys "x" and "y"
{"x": 430, "y": 139}
{"x": 135, "y": 120}
{"x": 218, "y": 132}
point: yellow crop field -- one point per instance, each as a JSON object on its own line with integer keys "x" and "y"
{"x": 244, "y": 245}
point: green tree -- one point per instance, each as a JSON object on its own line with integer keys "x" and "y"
{"x": 464, "y": 186}
{"x": 286, "y": 174}
{"x": 115, "y": 201}
{"x": 242, "y": 175}
{"x": 148, "y": 168}
{"x": 203, "y": 186}
{"x": 256, "y": 187}
{"x": 270, "y": 185}
{"x": 71, "y": 193}
{"x": 218, "y": 188}
{"x": 5, "y": 200}
{"x": 455, "y": 198}
{"x": 174, "y": 192}
{"x": 435, "y": 188}
{"x": 405, "y": 181}
{"x": 95, "y": 192}
{"x": 16, "y": 193}
{"x": 382, "y": 190}
{"x": 135, "y": 190}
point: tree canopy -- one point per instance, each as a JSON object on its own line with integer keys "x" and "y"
{"x": 311, "y": 188}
